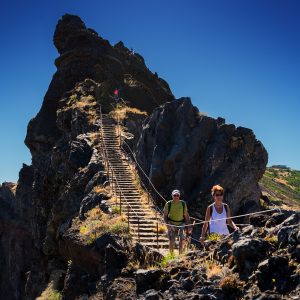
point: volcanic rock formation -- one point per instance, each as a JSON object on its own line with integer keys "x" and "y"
{"x": 40, "y": 245}
{"x": 181, "y": 148}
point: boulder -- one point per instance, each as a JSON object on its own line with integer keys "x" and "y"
{"x": 122, "y": 288}
{"x": 247, "y": 253}
{"x": 274, "y": 273}
{"x": 148, "y": 279}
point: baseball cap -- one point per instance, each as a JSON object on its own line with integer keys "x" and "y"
{"x": 175, "y": 192}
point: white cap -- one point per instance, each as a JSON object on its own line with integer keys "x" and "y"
{"x": 175, "y": 192}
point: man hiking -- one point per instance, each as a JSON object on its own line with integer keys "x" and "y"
{"x": 176, "y": 213}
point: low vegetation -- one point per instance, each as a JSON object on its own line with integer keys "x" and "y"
{"x": 98, "y": 222}
{"x": 121, "y": 112}
{"x": 161, "y": 228}
{"x": 213, "y": 237}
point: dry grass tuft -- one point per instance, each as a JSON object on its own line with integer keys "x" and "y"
{"x": 161, "y": 228}
{"x": 97, "y": 223}
{"x": 121, "y": 112}
{"x": 230, "y": 284}
{"x": 100, "y": 189}
{"x": 213, "y": 269}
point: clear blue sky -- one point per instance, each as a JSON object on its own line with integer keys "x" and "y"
{"x": 235, "y": 59}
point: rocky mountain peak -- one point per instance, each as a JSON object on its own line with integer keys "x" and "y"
{"x": 68, "y": 29}
{"x": 83, "y": 54}
{"x": 61, "y": 224}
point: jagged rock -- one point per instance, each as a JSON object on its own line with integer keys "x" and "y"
{"x": 80, "y": 154}
{"x": 294, "y": 219}
{"x": 148, "y": 279}
{"x": 90, "y": 201}
{"x": 247, "y": 253}
{"x": 181, "y": 148}
{"x": 153, "y": 295}
{"x": 122, "y": 288}
{"x": 275, "y": 219}
{"x": 274, "y": 273}
{"x": 223, "y": 251}
{"x": 145, "y": 256}
{"x": 77, "y": 283}
{"x": 258, "y": 220}
{"x": 108, "y": 239}
{"x": 115, "y": 260}
{"x": 294, "y": 244}
{"x": 283, "y": 234}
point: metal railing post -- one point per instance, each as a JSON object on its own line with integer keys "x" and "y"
{"x": 157, "y": 234}
{"x": 138, "y": 229}
{"x": 128, "y": 217}
{"x": 120, "y": 206}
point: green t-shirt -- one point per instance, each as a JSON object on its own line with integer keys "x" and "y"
{"x": 176, "y": 213}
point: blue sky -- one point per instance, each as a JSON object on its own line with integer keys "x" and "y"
{"x": 236, "y": 59}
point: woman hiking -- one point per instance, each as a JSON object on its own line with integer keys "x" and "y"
{"x": 217, "y": 211}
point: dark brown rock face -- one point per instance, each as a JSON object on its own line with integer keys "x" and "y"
{"x": 66, "y": 163}
{"x": 180, "y": 148}
{"x": 83, "y": 54}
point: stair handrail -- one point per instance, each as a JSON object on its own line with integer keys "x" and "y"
{"x": 154, "y": 205}
{"x": 149, "y": 180}
{"x": 136, "y": 162}
{"x": 104, "y": 149}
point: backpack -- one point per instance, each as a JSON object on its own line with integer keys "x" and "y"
{"x": 169, "y": 208}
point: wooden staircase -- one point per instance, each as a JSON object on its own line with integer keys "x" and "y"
{"x": 143, "y": 218}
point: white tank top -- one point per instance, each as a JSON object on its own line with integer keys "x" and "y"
{"x": 219, "y": 227}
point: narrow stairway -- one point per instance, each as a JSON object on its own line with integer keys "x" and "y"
{"x": 139, "y": 211}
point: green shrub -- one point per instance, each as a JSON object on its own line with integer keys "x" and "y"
{"x": 213, "y": 237}
{"x": 119, "y": 228}
{"x": 165, "y": 261}
{"x": 116, "y": 209}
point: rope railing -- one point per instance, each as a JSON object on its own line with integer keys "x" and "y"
{"x": 158, "y": 211}
{"x": 233, "y": 217}
{"x": 136, "y": 163}
{"x": 201, "y": 221}
{"x": 149, "y": 180}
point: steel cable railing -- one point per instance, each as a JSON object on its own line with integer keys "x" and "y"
{"x": 113, "y": 178}
{"x": 147, "y": 177}
{"x": 136, "y": 163}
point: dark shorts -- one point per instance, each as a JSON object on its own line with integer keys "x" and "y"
{"x": 174, "y": 232}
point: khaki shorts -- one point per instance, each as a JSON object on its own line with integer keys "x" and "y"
{"x": 174, "y": 232}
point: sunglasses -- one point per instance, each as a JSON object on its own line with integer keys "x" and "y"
{"x": 218, "y": 195}
{"x": 176, "y": 195}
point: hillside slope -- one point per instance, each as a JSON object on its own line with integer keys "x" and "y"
{"x": 281, "y": 185}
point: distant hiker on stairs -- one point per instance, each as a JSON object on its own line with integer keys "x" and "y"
{"x": 176, "y": 213}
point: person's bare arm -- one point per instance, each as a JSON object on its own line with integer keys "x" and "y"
{"x": 205, "y": 225}
{"x": 187, "y": 221}
{"x": 229, "y": 220}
